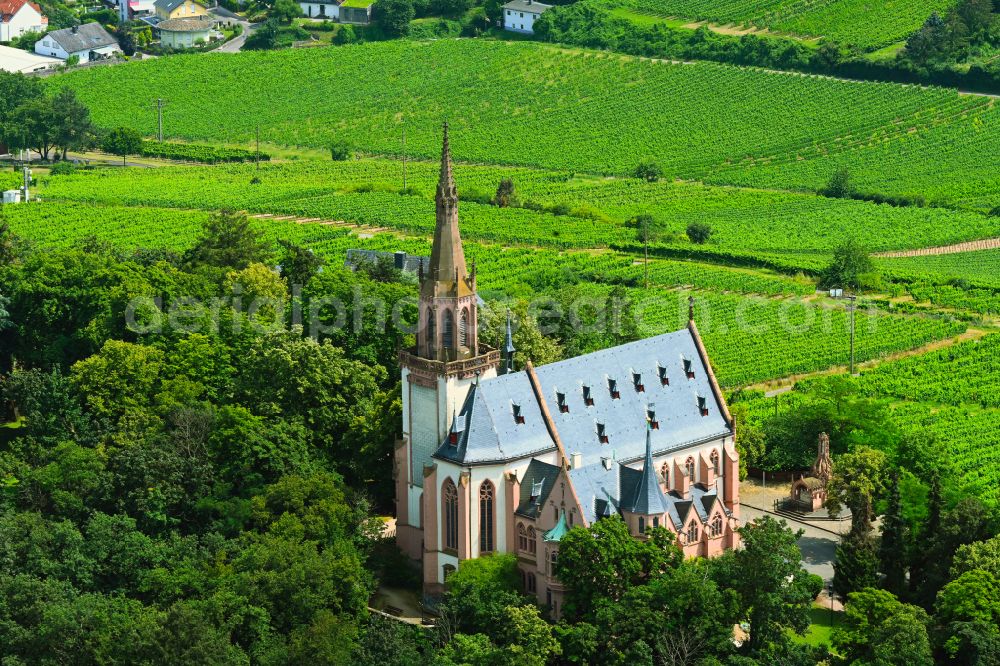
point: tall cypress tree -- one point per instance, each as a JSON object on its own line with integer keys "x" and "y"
{"x": 931, "y": 530}
{"x": 893, "y": 546}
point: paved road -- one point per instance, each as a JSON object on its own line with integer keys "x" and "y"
{"x": 235, "y": 44}
{"x": 818, "y": 545}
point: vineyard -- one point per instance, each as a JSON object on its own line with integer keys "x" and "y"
{"x": 558, "y": 209}
{"x": 857, "y": 22}
{"x": 967, "y": 373}
{"x": 980, "y": 268}
{"x": 190, "y": 152}
{"x": 717, "y": 123}
{"x": 751, "y": 338}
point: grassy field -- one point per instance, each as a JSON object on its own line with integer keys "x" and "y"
{"x": 587, "y": 113}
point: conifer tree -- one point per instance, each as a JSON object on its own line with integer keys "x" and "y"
{"x": 891, "y": 551}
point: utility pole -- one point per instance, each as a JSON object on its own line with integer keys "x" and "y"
{"x": 645, "y": 246}
{"x": 27, "y": 182}
{"x": 160, "y": 103}
{"x": 851, "y": 298}
{"x": 404, "y": 157}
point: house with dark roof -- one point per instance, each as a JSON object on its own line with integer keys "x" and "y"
{"x": 493, "y": 459}
{"x": 89, "y": 42}
{"x": 18, "y": 17}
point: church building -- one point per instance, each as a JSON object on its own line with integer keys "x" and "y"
{"x": 497, "y": 460}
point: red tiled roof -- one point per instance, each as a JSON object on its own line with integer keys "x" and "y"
{"x": 10, "y": 7}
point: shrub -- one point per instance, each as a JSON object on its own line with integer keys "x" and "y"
{"x": 649, "y": 171}
{"x": 62, "y": 168}
{"x": 346, "y": 35}
{"x": 505, "y": 195}
{"x": 839, "y": 185}
{"x": 340, "y": 151}
{"x": 699, "y": 232}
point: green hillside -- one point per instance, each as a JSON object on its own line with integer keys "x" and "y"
{"x": 530, "y": 104}
{"x": 862, "y": 23}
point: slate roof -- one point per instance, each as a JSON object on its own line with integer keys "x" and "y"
{"x": 408, "y": 263}
{"x": 541, "y": 476}
{"x": 605, "y": 491}
{"x": 525, "y": 6}
{"x": 645, "y": 496}
{"x": 170, "y": 5}
{"x": 87, "y": 36}
{"x": 491, "y": 433}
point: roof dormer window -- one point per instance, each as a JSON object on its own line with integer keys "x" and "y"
{"x": 703, "y": 405}
{"x": 637, "y": 382}
{"x": 455, "y": 432}
{"x": 602, "y": 433}
{"x": 588, "y": 398}
{"x": 688, "y": 367}
{"x": 613, "y": 389}
{"x": 518, "y": 416}
{"x": 651, "y": 416}
{"x": 662, "y": 372}
{"x": 536, "y": 489}
{"x": 561, "y": 401}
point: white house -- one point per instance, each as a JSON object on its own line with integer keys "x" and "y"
{"x": 89, "y": 41}
{"x": 328, "y": 9}
{"x": 18, "y": 17}
{"x": 520, "y": 15}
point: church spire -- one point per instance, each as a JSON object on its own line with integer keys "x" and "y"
{"x": 448, "y": 327}
{"x": 649, "y": 499}
{"x": 447, "y": 255}
{"x": 508, "y": 349}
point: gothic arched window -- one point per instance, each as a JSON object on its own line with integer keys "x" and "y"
{"x": 522, "y": 537}
{"x": 448, "y": 330}
{"x": 642, "y": 525}
{"x": 449, "y": 514}
{"x": 463, "y": 328}
{"x": 552, "y": 562}
{"x": 431, "y": 331}
{"x": 692, "y": 532}
{"x": 714, "y": 458}
{"x": 716, "y": 528}
{"x": 486, "y": 517}
{"x": 532, "y": 541}
{"x": 689, "y": 468}
{"x": 656, "y": 521}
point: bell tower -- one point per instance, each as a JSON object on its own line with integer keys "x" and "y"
{"x": 438, "y": 372}
{"x": 447, "y": 329}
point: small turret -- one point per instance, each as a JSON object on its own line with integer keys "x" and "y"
{"x": 508, "y": 349}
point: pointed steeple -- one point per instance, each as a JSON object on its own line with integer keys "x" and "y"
{"x": 649, "y": 499}
{"x": 508, "y": 349}
{"x": 447, "y": 255}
